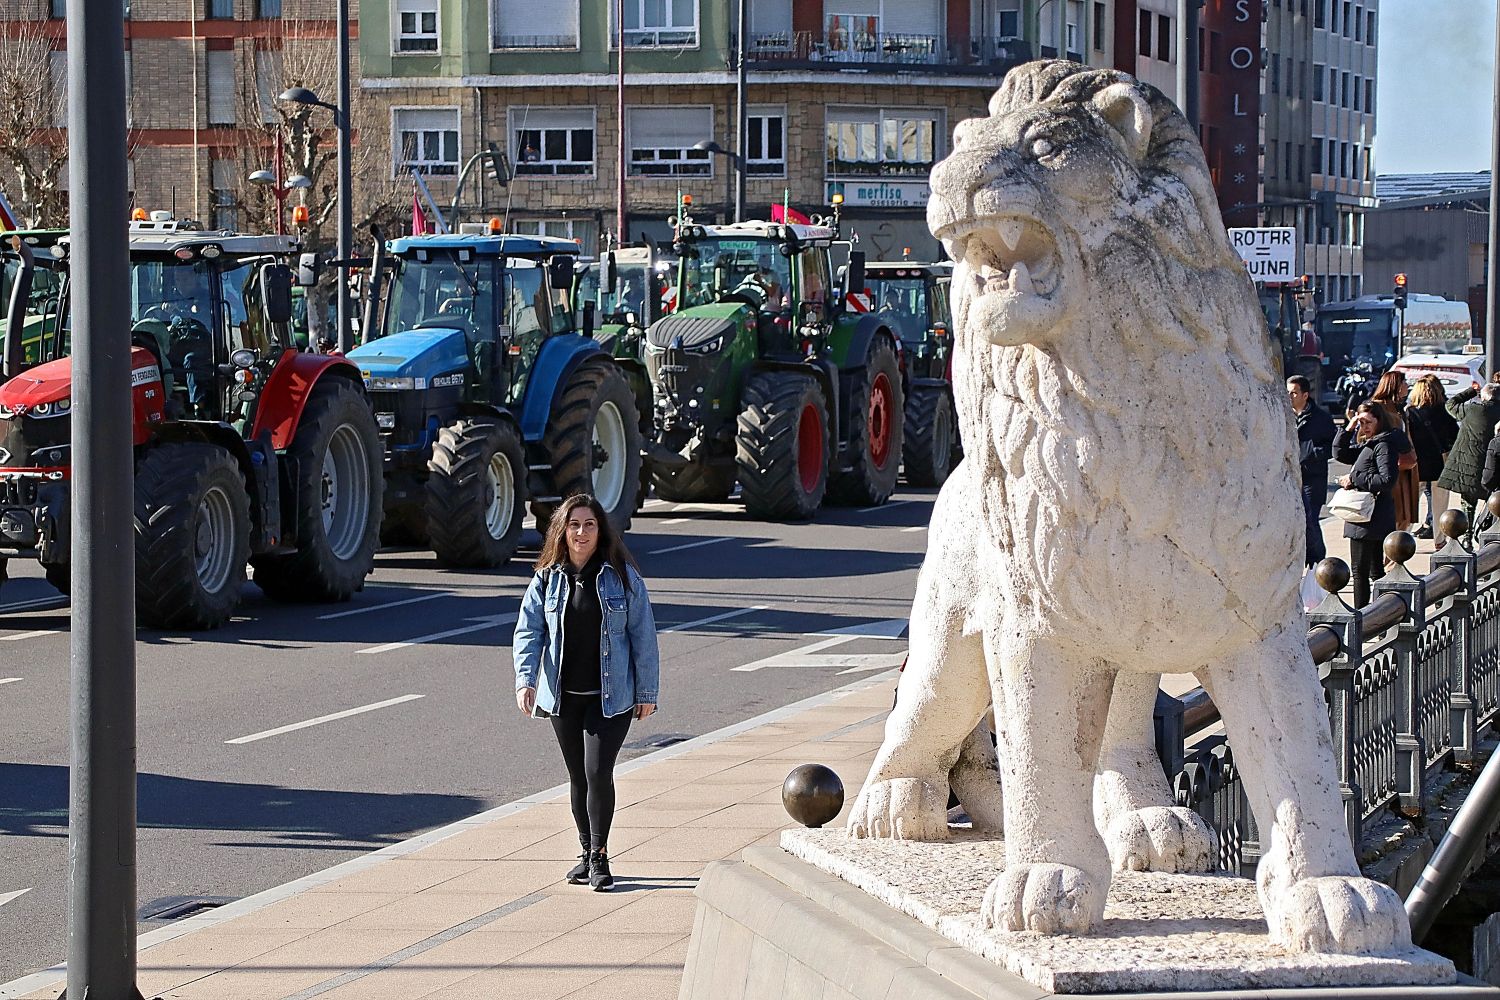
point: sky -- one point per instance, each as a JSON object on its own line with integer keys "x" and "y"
{"x": 1434, "y": 85}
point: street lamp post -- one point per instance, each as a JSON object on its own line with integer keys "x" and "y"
{"x": 301, "y": 95}
{"x": 738, "y": 160}
{"x": 279, "y": 191}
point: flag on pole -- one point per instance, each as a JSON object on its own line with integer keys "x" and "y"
{"x": 783, "y": 213}
{"x": 418, "y": 217}
{"x": 8, "y": 219}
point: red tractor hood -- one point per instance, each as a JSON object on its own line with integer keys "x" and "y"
{"x": 52, "y": 383}
{"x": 46, "y": 383}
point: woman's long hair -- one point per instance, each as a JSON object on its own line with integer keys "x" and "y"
{"x": 1391, "y": 391}
{"x": 1428, "y": 391}
{"x": 1382, "y": 414}
{"x": 555, "y": 544}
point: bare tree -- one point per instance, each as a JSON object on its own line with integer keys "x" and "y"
{"x": 33, "y": 150}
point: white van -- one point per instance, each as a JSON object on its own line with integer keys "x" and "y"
{"x": 1435, "y": 325}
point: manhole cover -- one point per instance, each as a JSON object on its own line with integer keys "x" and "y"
{"x": 170, "y": 908}
{"x": 658, "y": 741}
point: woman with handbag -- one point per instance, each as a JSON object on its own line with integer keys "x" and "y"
{"x": 1370, "y": 444}
{"x": 1432, "y": 431}
{"x": 1463, "y": 472}
{"x": 586, "y": 657}
{"x": 1391, "y": 393}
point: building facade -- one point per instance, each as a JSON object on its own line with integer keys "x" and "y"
{"x": 850, "y": 97}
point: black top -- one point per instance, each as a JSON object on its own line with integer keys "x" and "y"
{"x": 1374, "y": 470}
{"x": 1432, "y": 431}
{"x": 583, "y": 627}
{"x": 1315, "y": 431}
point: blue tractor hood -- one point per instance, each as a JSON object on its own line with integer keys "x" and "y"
{"x": 424, "y": 353}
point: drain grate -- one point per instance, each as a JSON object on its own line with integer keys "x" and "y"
{"x": 170, "y": 908}
{"x": 659, "y": 741}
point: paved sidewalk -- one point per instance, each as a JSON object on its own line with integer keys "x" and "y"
{"x": 480, "y": 909}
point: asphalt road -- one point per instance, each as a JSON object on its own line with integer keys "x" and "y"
{"x": 424, "y": 653}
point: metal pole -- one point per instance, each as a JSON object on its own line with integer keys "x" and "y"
{"x": 346, "y": 187}
{"x": 741, "y": 120}
{"x": 620, "y": 237}
{"x": 1465, "y": 836}
{"x": 280, "y": 188}
{"x": 101, "y": 821}
{"x": 1187, "y": 60}
{"x": 1492, "y": 276}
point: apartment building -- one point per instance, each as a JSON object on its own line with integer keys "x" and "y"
{"x": 201, "y": 77}
{"x": 850, "y": 97}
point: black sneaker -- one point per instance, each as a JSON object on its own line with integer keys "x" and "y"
{"x": 579, "y": 873}
{"x": 599, "y": 876}
{"x": 1425, "y": 531}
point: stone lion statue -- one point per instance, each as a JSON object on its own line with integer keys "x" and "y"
{"x": 1128, "y": 505}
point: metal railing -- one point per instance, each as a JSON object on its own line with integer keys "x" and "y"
{"x": 1411, "y": 682}
{"x": 876, "y": 50}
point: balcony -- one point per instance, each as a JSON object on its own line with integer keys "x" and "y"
{"x": 889, "y": 52}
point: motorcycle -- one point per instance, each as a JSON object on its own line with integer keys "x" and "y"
{"x": 1356, "y": 384}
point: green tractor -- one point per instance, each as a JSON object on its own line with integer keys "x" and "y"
{"x": 913, "y": 299}
{"x": 38, "y": 307}
{"x": 770, "y": 376}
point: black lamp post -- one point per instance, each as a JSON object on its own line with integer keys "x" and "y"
{"x": 301, "y": 95}
{"x": 709, "y": 146}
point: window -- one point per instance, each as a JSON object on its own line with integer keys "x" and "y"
{"x": 223, "y": 201}
{"x": 652, "y": 23}
{"x": 1008, "y": 24}
{"x": 221, "y": 103}
{"x": 770, "y": 25}
{"x": 1288, "y": 173}
{"x": 1275, "y": 74}
{"x": 1369, "y": 95}
{"x": 58, "y": 63}
{"x": 1143, "y": 34}
{"x": 1302, "y": 80}
{"x": 268, "y": 83}
{"x": 1317, "y": 155}
{"x": 1099, "y": 22}
{"x": 1348, "y": 11}
{"x": 585, "y": 231}
{"x": 221, "y": 9}
{"x": 1163, "y": 38}
{"x": 1074, "y": 19}
{"x": 1320, "y": 14}
{"x": 1358, "y": 94}
{"x": 268, "y": 8}
{"x": 1369, "y": 27}
{"x": 416, "y": 26}
{"x": 59, "y": 9}
{"x": 557, "y": 141}
{"x": 426, "y": 139}
{"x": 1333, "y": 85}
{"x": 1317, "y": 75}
{"x": 765, "y": 146}
{"x": 1271, "y": 160}
{"x": 870, "y": 142}
{"x": 1359, "y": 24}
{"x": 661, "y": 141}
{"x": 1301, "y": 163}
{"x": 526, "y": 24}
{"x": 1344, "y": 91}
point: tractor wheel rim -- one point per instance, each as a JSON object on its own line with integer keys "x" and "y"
{"x": 213, "y": 540}
{"x": 609, "y": 455}
{"x": 879, "y": 423}
{"x": 809, "y": 448}
{"x": 942, "y": 439}
{"x": 501, "y": 487}
{"x": 345, "y": 492}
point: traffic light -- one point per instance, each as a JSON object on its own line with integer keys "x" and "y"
{"x": 1401, "y": 291}
{"x": 496, "y": 165}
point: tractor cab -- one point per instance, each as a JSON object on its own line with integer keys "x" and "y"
{"x": 32, "y": 279}
{"x": 619, "y": 297}
{"x": 913, "y": 299}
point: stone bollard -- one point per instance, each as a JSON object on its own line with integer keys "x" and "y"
{"x": 1408, "y": 685}
{"x": 812, "y": 794}
{"x": 1463, "y": 717}
{"x": 1338, "y": 680}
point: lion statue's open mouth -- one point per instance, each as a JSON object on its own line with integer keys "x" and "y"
{"x": 1011, "y": 256}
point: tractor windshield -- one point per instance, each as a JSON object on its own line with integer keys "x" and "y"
{"x": 444, "y": 291}
{"x": 43, "y": 305}
{"x": 718, "y": 266}
{"x": 903, "y": 303}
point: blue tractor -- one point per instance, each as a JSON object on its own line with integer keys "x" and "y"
{"x": 487, "y": 397}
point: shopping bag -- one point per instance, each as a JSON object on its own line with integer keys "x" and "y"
{"x": 1355, "y": 506}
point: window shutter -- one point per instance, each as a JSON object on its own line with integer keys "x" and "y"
{"x": 670, "y": 128}
{"x": 914, "y": 17}
{"x": 528, "y": 24}
{"x": 569, "y": 118}
{"x": 770, "y": 17}
{"x": 267, "y": 83}
{"x": 58, "y": 60}
{"x": 221, "y": 87}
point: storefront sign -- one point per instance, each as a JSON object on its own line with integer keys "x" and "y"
{"x": 881, "y": 193}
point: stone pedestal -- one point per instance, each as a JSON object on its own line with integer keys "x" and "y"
{"x": 876, "y": 919}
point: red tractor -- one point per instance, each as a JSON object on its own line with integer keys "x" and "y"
{"x": 247, "y": 450}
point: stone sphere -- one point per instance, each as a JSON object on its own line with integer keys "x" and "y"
{"x": 812, "y": 794}
{"x": 1453, "y": 523}
{"x": 1400, "y": 546}
{"x": 1493, "y": 503}
{"x": 1332, "y": 574}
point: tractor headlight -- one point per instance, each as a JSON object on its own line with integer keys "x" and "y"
{"x": 57, "y": 409}
{"x": 386, "y": 382}
{"x": 655, "y": 349}
{"x": 713, "y": 346}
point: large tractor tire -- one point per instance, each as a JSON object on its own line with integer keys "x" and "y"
{"x": 782, "y": 446}
{"x": 476, "y": 494}
{"x": 876, "y": 421}
{"x": 335, "y": 461}
{"x": 698, "y": 482}
{"x": 192, "y": 536}
{"x": 594, "y": 444}
{"x": 930, "y": 443}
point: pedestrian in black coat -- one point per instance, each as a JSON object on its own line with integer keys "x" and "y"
{"x": 1370, "y": 445}
{"x": 1432, "y": 431}
{"x": 1463, "y": 473}
{"x": 1315, "y": 432}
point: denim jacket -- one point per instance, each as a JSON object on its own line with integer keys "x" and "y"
{"x": 629, "y": 661}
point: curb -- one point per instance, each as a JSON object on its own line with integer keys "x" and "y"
{"x": 250, "y": 904}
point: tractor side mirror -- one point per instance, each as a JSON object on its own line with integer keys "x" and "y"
{"x": 308, "y": 269}
{"x": 611, "y": 273}
{"x": 940, "y": 330}
{"x": 854, "y": 274}
{"x": 560, "y": 273}
{"x": 276, "y": 291}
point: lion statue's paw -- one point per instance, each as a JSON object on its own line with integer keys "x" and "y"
{"x": 900, "y": 809}
{"x": 1341, "y": 914}
{"x": 1161, "y": 839}
{"x": 1048, "y": 898}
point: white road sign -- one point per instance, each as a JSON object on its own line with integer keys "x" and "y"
{"x": 1269, "y": 254}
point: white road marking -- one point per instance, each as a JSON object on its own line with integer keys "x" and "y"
{"x": 382, "y": 607}
{"x": 29, "y": 635}
{"x": 915, "y": 527}
{"x": 44, "y": 603}
{"x": 486, "y": 622}
{"x": 324, "y": 718}
{"x": 690, "y": 545}
{"x": 676, "y": 520}
{"x": 885, "y": 506}
{"x": 655, "y": 502}
{"x": 8, "y": 680}
{"x": 812, "y": 655}
{"x": 706, "y": 621}
{"x": 6, "y": 897}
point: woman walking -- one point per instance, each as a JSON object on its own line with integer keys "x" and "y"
{"x": 1369, "y": 443}
{"x": 1463, "y": 473}
{"x": 1391, "y": 393}
{"x": 586, "y": 657}
{"x": 1432, "y": 431}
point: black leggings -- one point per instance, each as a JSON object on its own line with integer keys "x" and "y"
{"x": 1366, "y": 564}
{"x": 590, "y": 745}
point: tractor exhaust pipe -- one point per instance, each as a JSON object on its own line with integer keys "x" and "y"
{"x": 372, "y": 291}
{"x": 15, "y": 314}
